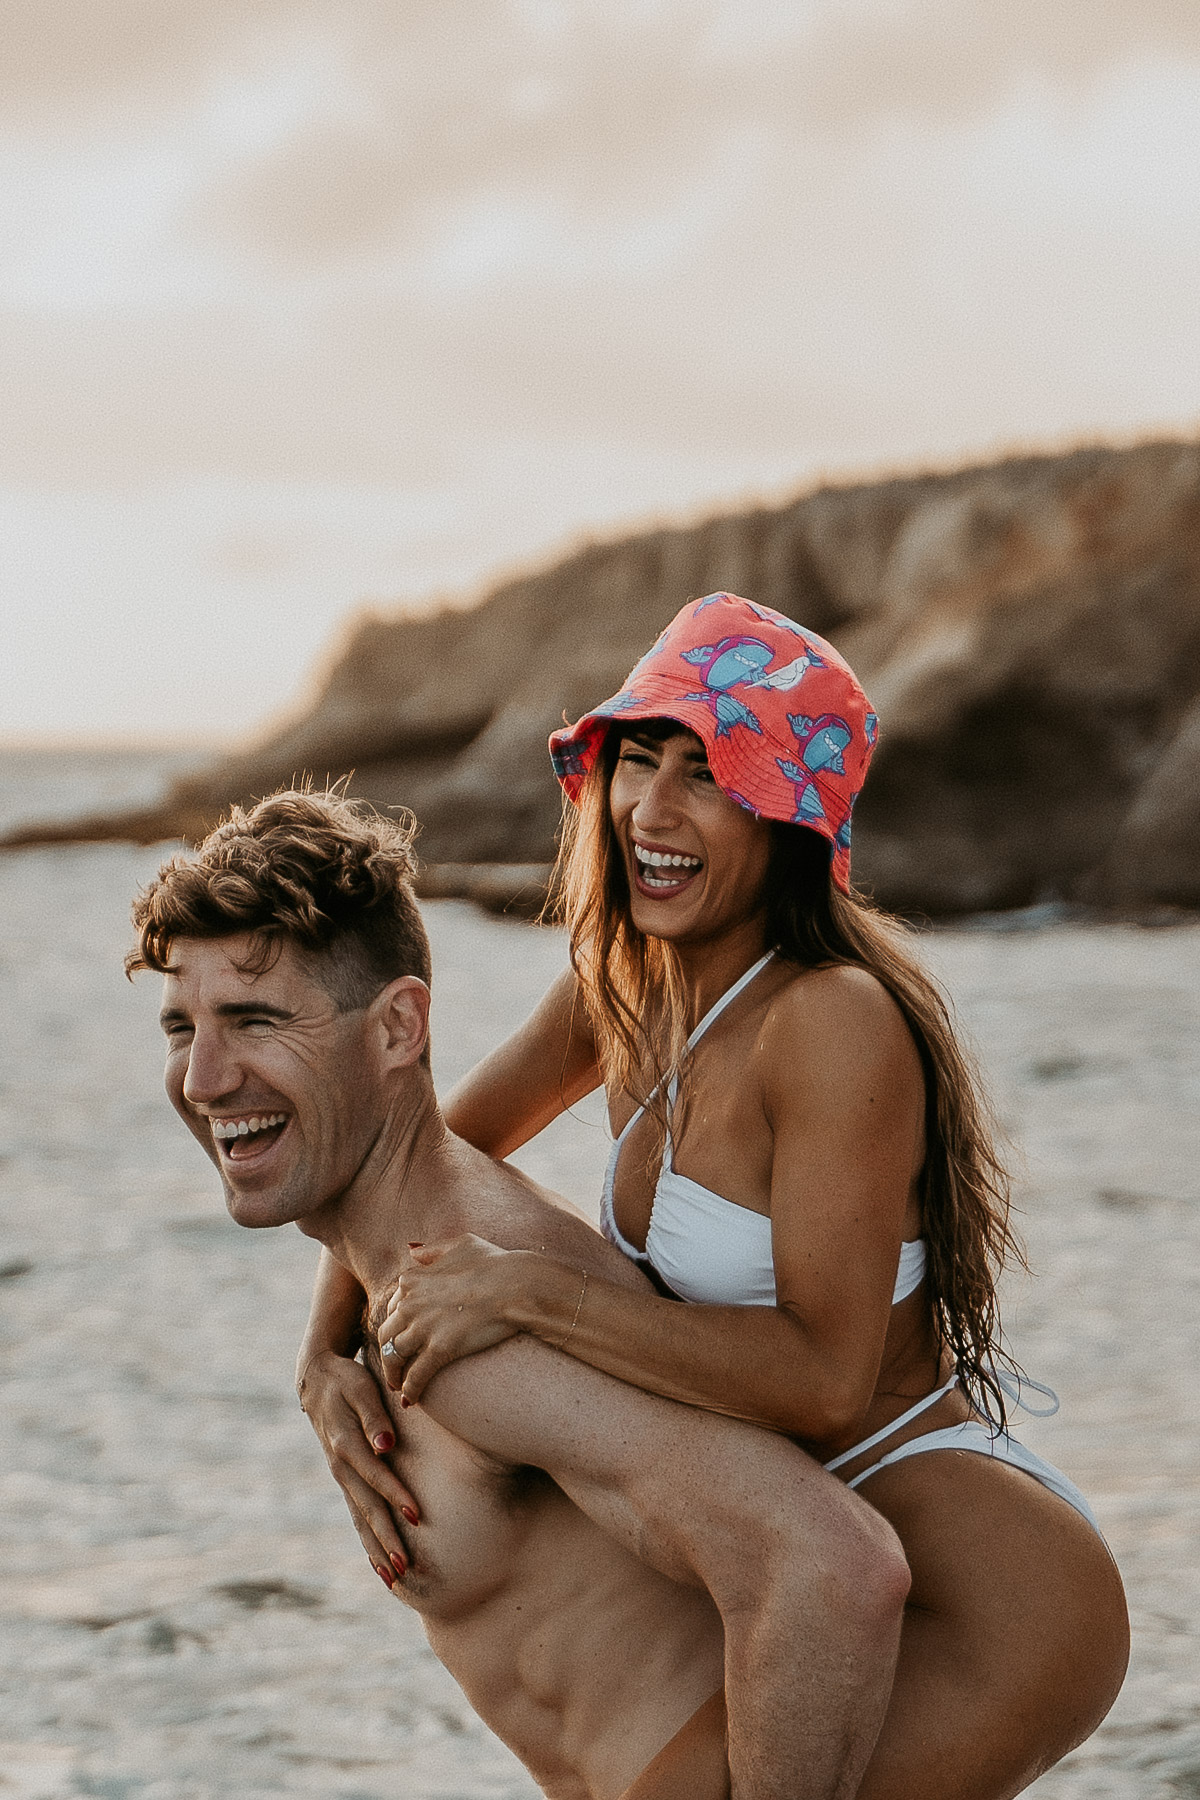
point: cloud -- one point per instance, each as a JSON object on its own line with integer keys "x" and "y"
{"x": 940, "y": 60}
{"x": 317, "y": 299}
{"x": 83, "y": 60}
{"x": 634, "y": 225}
{"x": 602, "y": 117}
{"x": 597, "y": 107}
{"x": 624, "y": 110}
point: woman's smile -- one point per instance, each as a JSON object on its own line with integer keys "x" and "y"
{"x": 660, "y": 872}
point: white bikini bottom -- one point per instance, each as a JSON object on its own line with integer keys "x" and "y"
{"x": 973, "y": 1435}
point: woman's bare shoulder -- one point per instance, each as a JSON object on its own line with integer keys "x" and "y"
{"x": 844, "y": 991}
{"x": 835, "y": 1013}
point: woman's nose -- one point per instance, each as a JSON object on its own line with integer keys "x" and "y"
{"x": 657, "y": 808}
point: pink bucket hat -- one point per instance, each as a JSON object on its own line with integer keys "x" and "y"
{"x": 788, "y": 730}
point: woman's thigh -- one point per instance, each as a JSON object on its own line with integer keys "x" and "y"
{"x": 693, "y": 1766}
{"x": 1015, "y": 1638}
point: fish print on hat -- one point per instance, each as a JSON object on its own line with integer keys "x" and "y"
{"x": 742, "y": 662}
{"x": 822, "y": 742}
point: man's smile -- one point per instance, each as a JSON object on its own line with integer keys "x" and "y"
{"x": 242, "y": 1137}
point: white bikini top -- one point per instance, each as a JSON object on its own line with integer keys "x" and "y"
{"x": 707, "y": 1249}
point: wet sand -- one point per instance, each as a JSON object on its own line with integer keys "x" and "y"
{"x": 187, "y": 1612}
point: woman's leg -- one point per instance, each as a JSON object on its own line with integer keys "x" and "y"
{"x": 1015, "y": 1637}
{"x": 693, "y": 1765}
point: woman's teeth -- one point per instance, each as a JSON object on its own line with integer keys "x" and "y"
{"x": 682, "y": 867}
{"x": 223, "y": 1129}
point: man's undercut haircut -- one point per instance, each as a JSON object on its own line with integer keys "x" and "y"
{"x": 326, "y": 874}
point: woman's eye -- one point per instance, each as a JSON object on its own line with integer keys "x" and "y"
{"x": 641, "y": 757}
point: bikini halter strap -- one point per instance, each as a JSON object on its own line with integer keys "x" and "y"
{"x": 727, "y": 998}
{"x": 713, "y": 1014}
{"x": 710, "y": 1018}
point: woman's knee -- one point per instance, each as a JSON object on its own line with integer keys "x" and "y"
{"x": 869, "y": 1566}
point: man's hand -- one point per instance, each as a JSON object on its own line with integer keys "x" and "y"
{"x": 346, "y": 1410}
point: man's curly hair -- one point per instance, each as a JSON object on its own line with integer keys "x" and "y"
{"x": 316, "y": 870}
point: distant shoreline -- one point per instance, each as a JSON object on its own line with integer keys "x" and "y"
{"x": 29, "y": 743}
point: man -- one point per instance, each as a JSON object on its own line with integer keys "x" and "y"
{"x": 594, "y": 1564}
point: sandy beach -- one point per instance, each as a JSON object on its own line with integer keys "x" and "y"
{"x": 187, "y": 1612}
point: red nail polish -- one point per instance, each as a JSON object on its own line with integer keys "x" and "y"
{"x": 416, "y": 1246}
{"x": 398, "y": 1563}
{"x": 384, "y": 1575}
{"x": 406, "y": 1512}
{"x": 385, "y": 1441}
{"x": 404, "y": 1400}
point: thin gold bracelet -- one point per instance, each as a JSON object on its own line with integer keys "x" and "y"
{"x": 562, "y": 1342}
{"x": 351, "y": 1355}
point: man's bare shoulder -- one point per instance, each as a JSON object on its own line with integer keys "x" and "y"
{"x": 505, "y": 1206}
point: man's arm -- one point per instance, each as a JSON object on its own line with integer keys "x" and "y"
{"x": 809, "y": 1581}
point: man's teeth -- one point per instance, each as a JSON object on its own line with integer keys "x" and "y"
{"x": 231, "y": 1128}
{"x": 659, "y": 859}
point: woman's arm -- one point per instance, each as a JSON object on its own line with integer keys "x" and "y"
{"x": 841, "y": 1088}
{"x": 335, "y": 1317}
{"x": 347, "y": 1412}
{"x": 544, "y": 1067}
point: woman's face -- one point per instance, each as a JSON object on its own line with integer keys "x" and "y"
{"x": 695, "y": 860}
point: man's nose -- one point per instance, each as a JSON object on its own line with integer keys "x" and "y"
{"x": 212, "y": 1069}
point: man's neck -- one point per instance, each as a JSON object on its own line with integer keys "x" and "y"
{"x": 408, "y": 1190}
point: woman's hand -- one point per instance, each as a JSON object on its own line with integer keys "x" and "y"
{"x": 452, "y": 1301}
{"x": 346, "y": 1410}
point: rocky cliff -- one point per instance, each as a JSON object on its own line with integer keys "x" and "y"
{"x": 1029, "y": 632}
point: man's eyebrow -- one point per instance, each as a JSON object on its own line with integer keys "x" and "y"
{"x": 229, "y": 1009}
{"x": 261, "y": 1009}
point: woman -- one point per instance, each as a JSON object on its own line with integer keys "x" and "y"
{"x": 801, "y": 1156}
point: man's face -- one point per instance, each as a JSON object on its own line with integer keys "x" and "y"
{"x": 283, "y": 1091}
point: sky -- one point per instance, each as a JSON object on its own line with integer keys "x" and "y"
{"x": 308, "y": 306}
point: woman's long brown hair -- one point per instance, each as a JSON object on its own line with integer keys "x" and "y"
{"x": 633, "y": 991}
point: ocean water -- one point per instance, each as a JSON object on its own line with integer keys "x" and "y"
{"x": 187, "y": 1612}
{"x": 70, "y": 782}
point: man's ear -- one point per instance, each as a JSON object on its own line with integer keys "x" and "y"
{"x": 402, "y": 1009}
